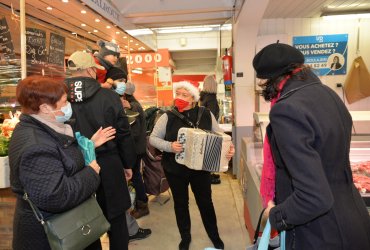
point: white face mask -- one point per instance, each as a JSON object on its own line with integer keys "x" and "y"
{"x": 67, "y": 110}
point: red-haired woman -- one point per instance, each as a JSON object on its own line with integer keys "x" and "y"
{"x": 45, "y": 160}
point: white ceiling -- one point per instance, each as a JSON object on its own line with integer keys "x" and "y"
{"x": 160, "y": 13}
{"x": 169, "y": 13}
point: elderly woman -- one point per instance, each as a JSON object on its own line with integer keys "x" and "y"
{"x": 306, "y": 182}
{"x": 45, "y": 160}
{"x": 164, "y": 137}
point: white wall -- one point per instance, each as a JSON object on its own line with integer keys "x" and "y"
{"x": 318, "y": 26}
{"x": 194, "y": 41}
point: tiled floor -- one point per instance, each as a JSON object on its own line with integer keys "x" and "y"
{"x": 228, "y": 202}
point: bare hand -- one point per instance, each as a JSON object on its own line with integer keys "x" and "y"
{"x": 108, "y": 84}
{"x": 128, "y": 174}
{"x": 94, "y": 165}
{"x": 231, "y": 152}
{"x": 103, "y": 135}
{"x": 176, "y": 147}
{"x": 125, "y": 103}
{"x": 270, "y": 205}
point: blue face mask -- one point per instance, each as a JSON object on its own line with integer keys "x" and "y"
{"x": 67, "y": 110}
{"x": 120, "y": 88}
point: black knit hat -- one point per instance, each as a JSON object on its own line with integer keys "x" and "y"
{"x": 116, "y": 73}
{"x": 275, "y": 59}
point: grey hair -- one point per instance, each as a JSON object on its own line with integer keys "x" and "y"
{"x": 210, "y": 84}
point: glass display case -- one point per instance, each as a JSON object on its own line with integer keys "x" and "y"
{"x": 226, "y": 110}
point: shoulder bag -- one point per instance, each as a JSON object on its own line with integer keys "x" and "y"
{"x": 74, "y": 229}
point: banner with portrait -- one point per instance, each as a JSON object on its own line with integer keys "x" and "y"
{"x": 326, "y": 54}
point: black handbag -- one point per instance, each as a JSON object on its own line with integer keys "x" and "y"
{"x": 74, "y": 229}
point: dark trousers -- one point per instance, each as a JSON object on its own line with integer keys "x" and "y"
{"x": 137, "y": 181}
{"x": 200, "y": 182}
{"x": 118, "y": 235}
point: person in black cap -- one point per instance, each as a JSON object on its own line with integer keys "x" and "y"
{"x": 306, "y": 183}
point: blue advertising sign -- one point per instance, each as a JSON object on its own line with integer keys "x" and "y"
{"x": 327, "y": 54}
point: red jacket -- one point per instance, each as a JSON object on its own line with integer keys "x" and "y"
{"x": 100, "y": 73}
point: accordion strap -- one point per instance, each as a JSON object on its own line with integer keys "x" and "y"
{"x": 186, "y": 120}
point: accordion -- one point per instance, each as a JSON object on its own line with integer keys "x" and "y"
{"x": 203, "y": 150}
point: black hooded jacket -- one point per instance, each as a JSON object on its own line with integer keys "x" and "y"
{"x": 95, "y": 107}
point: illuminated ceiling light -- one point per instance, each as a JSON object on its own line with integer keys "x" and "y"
{"x": 97, "y": 20}
{"x": 126, "y": 46}
{"x": 125, "y": 37}
{"x": 131, "y": 49}
{"x": 74, "y": 33}
{"x": 108, "y": 27}
{"x": 96, "y": 31}
{"x": 65, "y": 1}
{"x": 139, "y": 32}
{"x": 83, "y": 25}
{"x": 344, "y": 15}
{"x": 131, "y": 41}
{"x": 83, "y": 11}
{"x": 89, "y": 32}
{"x": 49, "y": 8}
{"x": 185, "y": 29}
{"x": 117, "y": 32}
{"x": 136, "y": 44}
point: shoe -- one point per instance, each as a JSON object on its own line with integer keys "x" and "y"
{"x": 141, "y": 209}
{"x": 184, "y": 244}
{"x": 142, "y": 233}
{"x": 217, "y": 176}
{"x": 218, "y": 243}
{"x": 215, "y": 180}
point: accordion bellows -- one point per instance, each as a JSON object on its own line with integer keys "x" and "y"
{"x": 203, "y": 150}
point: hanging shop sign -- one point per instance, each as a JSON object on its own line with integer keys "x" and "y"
{"x": 6, "y": 43}
{"x": 36, "y": 46}
{"x": 56, "y": 49}
{"x": 36, "y": 52}
{"x": 327, "y": 54}
{"x": 149, "y": 60}
{"x": 107, "y": 10}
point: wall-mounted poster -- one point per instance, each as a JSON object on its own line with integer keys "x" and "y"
{"x": 327, "y": 54}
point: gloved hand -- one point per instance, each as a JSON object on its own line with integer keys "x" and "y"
{"x": 120, "y": 88}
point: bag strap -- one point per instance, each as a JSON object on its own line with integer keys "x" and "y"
{"x": 35, "y": 210}
{"x": 182, "y": 117}
{"x": 186, "y": 120}
{"x": 256, "y": 233}
{"x": 200, "y": 113}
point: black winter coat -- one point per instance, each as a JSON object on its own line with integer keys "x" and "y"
{"x": 50, "y": 167}
{"x": 95, "y": 107}
{"x": 209, "y": 100}
{"x": 317, "y": 202}
{"x": 138, "y": 129}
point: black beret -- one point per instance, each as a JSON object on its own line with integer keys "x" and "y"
{"x": 275, "y": 59}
